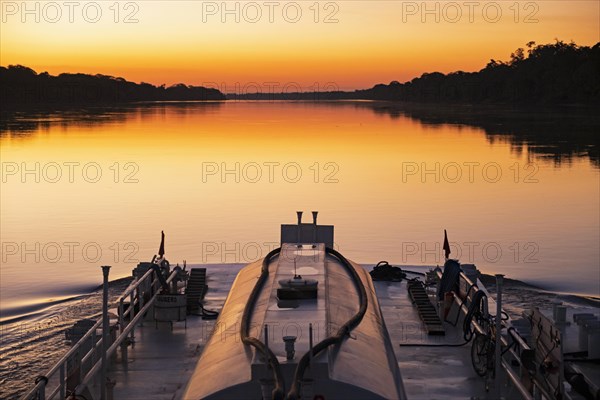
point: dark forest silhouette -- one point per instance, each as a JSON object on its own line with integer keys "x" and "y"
{"x": 557, "y": 73}
{"x": 549, "y": 73}
{"x": 23, "y": 86}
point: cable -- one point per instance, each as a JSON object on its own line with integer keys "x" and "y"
{"x": 383, "y": 271}
{"x": 462, "y": 303}
{"x": 206, "y": 313}
{"x": 278, "y": 391}
{"x": 414, "y": 272}
{"x": 433, "y": 345}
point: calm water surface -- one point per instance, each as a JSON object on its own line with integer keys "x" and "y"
{"x": 84, "y": 189}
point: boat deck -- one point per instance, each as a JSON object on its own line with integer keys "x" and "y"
{"x": 162, "y": 360}
{"x": 428, "y": 372}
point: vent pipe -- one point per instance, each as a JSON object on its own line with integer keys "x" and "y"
{"x": 314, "y": 214}
{"x": 299, "y": 213}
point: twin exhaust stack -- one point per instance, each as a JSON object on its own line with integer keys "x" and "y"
{"x": 314, "y": 214}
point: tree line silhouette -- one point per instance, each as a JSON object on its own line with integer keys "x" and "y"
{"x": 556, "y": 73}
{"x": 549, "y": 73}
{"x": 22, "y": 86}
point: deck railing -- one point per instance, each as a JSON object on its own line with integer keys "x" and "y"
{"x": 527, "y": 384}
{"x": 85, "y": 367}
{"x": 40, "y": 388}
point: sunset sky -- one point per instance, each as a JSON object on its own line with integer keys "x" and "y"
{"x": 361, "y": 44}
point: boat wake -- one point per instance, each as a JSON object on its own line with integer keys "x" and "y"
{"x": 32, "y": 338}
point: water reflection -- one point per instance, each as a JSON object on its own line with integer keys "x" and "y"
{"x": 557, "y": 134}
{"x": 351, "y": 159}
{"x": 20, "y": 123}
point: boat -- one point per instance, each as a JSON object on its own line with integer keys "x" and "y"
{"x": 340, "y": 347}
{"x": 305, "y": 322}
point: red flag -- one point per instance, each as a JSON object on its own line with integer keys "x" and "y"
{"x": 446, "y": 245}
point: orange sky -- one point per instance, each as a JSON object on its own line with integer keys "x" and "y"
{"x": 361, "y": 44}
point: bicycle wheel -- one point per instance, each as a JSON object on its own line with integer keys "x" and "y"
{"x": 480, "y": 351}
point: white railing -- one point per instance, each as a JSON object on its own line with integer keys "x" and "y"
{"x": 39, "y": 390}
{"x": 126, "y": 329}
{"x": 56, "y": 378}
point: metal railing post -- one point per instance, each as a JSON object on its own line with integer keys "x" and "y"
{"x": 79, "y": 365}
{"x": 62, "y": 391}
{"x": 498, "y": 348}
{"x": 124, "y": 353}
{"x": 92, "y": 373}
{"x": 132, "y": 308}
{"x": 105, "y": 331}
{"x": 39, "y": 390}
{"x": 141, "y": 302}
{"x": 124, "y": 356}
{"x": 42, "y": 390}
{"x": 93, "y": 349}
{"x": 121, "y": 315}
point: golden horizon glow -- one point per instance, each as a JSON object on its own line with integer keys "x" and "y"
{"x": 371, "y": 42}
